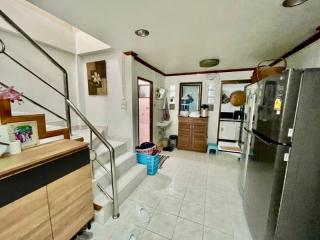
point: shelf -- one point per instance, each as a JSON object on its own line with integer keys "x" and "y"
{"x": 230, "y": 120}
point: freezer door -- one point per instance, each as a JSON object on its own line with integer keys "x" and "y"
{"x": 299, "y": 216}
{"x": 263, "y": 187}
{"x": 276, "y": 105}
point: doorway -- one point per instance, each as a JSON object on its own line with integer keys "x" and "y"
{"x": 231, "y": 116}
{"x": 145, "y": 110}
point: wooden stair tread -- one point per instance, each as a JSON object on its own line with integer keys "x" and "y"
{"x": 39, "y": 155}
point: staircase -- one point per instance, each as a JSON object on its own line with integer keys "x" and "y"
{"x": 115, "y": 171}
{"x": 129, "y": 173}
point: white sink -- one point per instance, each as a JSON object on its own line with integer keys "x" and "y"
{"x": 163, "y": 124}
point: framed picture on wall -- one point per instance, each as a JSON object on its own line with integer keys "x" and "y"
{"x": 190, "y": 97}
{"x": 25, "y": 132}
{"x": 97, "y": 78}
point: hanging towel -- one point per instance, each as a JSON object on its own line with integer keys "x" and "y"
{"x": 166, "y": 114}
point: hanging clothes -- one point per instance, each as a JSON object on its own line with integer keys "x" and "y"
{"x": 166, "y": 114}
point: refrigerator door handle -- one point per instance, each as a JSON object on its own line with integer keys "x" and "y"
{"x": 260, "y": 138}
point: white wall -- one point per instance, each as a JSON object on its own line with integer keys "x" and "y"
{"x": 213, "y": 115}
{"x": 60, "y": 39}
{"x": 12, "y": 74}
{"x": 308, "y": 57}
{"x": 40, "y": 25}
{"x": 85, "y": 43}
{"x": 140, "y": 70}
{"x": 106, "y": 110}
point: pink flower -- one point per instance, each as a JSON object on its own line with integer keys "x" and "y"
{"x": 11, "y": 94}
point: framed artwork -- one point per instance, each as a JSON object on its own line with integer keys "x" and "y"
{"x": 190, "y": 96}
{"x": 97, "y": 78}
{"x": 25, "y": 132}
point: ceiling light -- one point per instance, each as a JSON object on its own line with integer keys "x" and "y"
{"x": 292, "y": 3}
{"x": 206, "y": 63}
{"x": 142, "y": 33}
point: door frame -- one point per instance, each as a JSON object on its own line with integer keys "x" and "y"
{"x": 151, "y": 107}
{"x": 225, "y": 82}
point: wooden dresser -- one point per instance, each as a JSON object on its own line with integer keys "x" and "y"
{"x": 46, "y": 192}
{"x": 193, "y": 133}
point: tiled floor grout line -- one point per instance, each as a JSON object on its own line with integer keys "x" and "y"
{"x": 205, "y": 201}
{"x": 184, "y": 194}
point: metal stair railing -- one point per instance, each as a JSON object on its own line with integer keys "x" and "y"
{"x": 51, "y": 59}
{"x": 68, "y": 105}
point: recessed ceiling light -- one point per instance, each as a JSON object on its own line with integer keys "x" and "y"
{"x": 206, "y": 63}
{"x": 292, "y": 3}
{"x": 142, "y": 32}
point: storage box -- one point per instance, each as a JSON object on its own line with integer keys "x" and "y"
{"x": 152, "y": 162}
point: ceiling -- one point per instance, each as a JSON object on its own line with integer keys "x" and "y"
{"x": 182, "y": 32}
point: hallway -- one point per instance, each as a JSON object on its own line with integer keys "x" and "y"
{"x": 193, "y": 197}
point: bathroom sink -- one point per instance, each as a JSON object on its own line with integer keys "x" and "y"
{"x": 163, "y": 123}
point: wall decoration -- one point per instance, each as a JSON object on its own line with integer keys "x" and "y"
{"x": 25, "y": 132}
{"x": 160, "y": 93}
{"x": 190, "y": 97}
{"x": 97, "y": 78}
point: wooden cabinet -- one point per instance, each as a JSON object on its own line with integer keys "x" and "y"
{"x": 193, "y": 133}
{"x": 27, "y": 219}
{"x": 70, "y": 200}
{"x": 46, "y": 192}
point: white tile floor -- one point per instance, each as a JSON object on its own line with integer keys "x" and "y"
{"x": 194, "y": 196}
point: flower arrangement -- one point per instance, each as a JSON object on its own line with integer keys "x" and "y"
{"x": 10, "y": 94}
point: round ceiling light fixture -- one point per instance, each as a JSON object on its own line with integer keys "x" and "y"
{"x": 292, "y": 3}
{"x": 142, "y": 33}
{"x": 206, "y": 63}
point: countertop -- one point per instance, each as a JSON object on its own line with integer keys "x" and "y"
{"x": 33, "y": 157}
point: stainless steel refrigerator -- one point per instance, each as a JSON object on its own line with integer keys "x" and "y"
{"x": 285, "y": 153}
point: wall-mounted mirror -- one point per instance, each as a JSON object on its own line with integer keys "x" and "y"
{"x": 190, "y": 98}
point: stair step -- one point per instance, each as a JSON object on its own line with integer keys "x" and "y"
{"x": 85, "y": 133}
{"x": 103, "y": 154}
{"x": 126, "y": 184}
{"x": 124, "y": 162}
